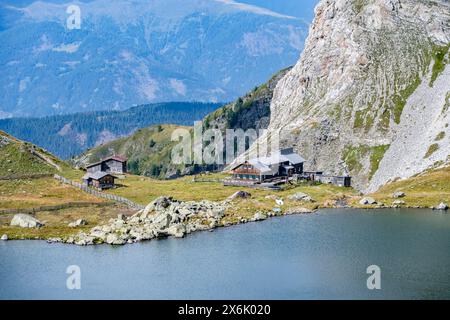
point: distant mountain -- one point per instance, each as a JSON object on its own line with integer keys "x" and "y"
{"x": 137, "y": 52}
{"x": 69, "y": 135}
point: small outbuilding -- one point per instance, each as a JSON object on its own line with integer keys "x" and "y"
{"x": 100, "y": 180}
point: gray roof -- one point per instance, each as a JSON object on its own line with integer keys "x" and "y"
{"x": 264, "y": 164}
{"x": 96, "y": 175}
{"x": 260, "y": 166}
{"x": 278, "y": 157}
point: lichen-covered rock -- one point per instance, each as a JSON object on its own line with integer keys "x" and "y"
{"x": 367, "y": 200}
{"x": 25, "y": 221}
{"x": 259, "y": 216}
{"x": 297, "y": 210}
{"x": 300, "y": 196}
{"x": 78, "y": 223}
{"x": 178, "y": 231}
{"x": 398, "y": 194}
{"x": 239, "y": 194}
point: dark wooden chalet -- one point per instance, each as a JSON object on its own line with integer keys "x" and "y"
{"x": 113, "y": 164}
{"x": 99, "y": 180}
{"x": 279, "y": 165}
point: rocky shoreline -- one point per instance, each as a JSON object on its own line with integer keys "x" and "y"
{"x": 166, "y": 217}
{"x": 162, "y": 218}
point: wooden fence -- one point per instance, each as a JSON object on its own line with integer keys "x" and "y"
{"x": 202, "y": 179}
{"x": 55, "y": 207}
{"x": 99, "y": 194}
{"x": 26, "y": 176}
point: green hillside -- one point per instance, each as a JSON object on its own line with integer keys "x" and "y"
{"x": 71, "y": 134}
{"x": 148, "y": 151}
{"x": 19, "y": 158}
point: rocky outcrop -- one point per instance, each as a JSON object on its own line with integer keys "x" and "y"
{"x": 25, "y": 221}
{"x": 368, "y": 96}
{"x": 161, "y": 218}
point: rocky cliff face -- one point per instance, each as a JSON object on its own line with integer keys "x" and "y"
{"x": 370, "y": 94}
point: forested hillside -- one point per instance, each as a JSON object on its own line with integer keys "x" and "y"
{"x": 69, "y": 135}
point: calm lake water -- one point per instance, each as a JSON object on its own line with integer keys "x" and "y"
{"x": 319, "y": 256}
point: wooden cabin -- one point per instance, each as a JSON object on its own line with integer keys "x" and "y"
{"x": 342, "y": 181}
{"x": 279, "y": 165}
{"x": 99, "y": 180}
{"x": 113, "y": 164}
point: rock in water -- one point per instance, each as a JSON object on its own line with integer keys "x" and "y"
{"x": 26, "y": 221}
{"x": 367, "y": 200}
{"x": 442, "y": 206}
{"x": 4, "y": 237}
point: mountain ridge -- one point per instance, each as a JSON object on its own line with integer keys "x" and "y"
{"x": 139, "y": 52}
{"x": 69, "y": 135}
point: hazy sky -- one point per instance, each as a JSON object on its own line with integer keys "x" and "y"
{"x": 297, "y": 8}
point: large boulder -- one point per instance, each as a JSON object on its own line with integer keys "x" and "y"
{"x": 239, "y": 194}
{"x": 115, "y": 239}
{"x": 178, "y": 230}
{"x": 300, "y": 196}
{"x": 298, "y": 210}
{"x": 398, "y": 194}
{"x": 367, "y": 200}
{"x": 25, "y": 221}
{"x": 162, "y": 220}
{"x": 4, "y": 237}
{"x": 442, "y": 206}
{"x": 259, "y": 216}
{"x": 78, "y": 223}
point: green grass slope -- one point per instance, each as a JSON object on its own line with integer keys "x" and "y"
{"x": 19, "y": 158}
{"x": 148, "y": 151}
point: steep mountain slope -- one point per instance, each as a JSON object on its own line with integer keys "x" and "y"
{"x": 69, "y": 135}
{"x": 18, "y": 158}
{"x": 149, "y": 150}
{"x": 251, "y": 111}
{"x": 136, "y": 52}
{"x": 370, "y": 93}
